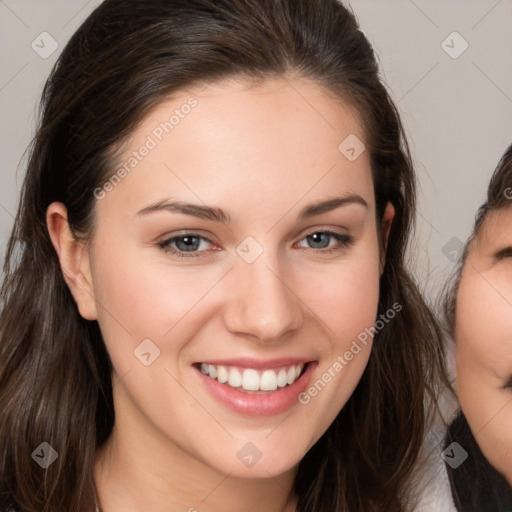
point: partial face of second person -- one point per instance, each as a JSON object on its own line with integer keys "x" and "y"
{"x": 246, "y": 241}
{"x": 483, "y": 329}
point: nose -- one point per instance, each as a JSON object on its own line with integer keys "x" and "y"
{"x": 263, "y": 302}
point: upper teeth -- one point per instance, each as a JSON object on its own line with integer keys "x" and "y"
{"x": 253, "y": 380}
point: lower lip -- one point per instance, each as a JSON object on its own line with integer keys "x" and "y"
{"x": 265, "y": 404}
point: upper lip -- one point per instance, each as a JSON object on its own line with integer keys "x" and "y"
{"x": 258, "y": 364}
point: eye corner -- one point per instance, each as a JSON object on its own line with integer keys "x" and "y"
{"x": 166, "y": 245}
{"x": 504, "y": 253}
{"x": 508, "y": 383}
{"x": 343, "y": 240}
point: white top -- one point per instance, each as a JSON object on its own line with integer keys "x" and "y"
{"x": 434, "y": 486}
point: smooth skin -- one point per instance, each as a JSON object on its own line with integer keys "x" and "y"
{"x": 261, "y": 153}
{"x": 483, "y": 330}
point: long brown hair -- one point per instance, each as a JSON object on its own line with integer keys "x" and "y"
{"x": 55, "y": 373}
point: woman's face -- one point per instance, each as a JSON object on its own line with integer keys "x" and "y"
{"x": 242, "y": 243}
{"x": 484, "y": 339}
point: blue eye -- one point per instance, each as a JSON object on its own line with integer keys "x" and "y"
{"x": 194, "y": 245}
{"x": 187, "y": 243}
{"x": 324, "y": 240}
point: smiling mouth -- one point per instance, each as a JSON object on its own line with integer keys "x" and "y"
{"x": 252, "y": 381}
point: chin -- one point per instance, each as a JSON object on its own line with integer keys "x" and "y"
{"x": 257, "y": 460}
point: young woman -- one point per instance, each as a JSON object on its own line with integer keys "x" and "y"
{"x": 206, "y": 305}
{"x": 478, "y": 313}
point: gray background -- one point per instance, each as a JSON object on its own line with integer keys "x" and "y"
{"x": 457, "y": 109}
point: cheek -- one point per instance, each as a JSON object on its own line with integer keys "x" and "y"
{"x": 150, "y": 300}
{"x": 483, "y": 338}
{"x": 350, "y": 293}
{"x": 344, "y": 297}
{"x": 348, "y": 302}
{"x": 140, "y": 297}
{"x": 484, "y": 364}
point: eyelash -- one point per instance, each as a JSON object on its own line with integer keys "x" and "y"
{"x": 343, "y": 242}
{"x": 504, "y": 253}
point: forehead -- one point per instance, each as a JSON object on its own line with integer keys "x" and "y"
{"x": 235, "y": 107}
{"x": 495, "y": 231}
{"x": 277, "y": 141}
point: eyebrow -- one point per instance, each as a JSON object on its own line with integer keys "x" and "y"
{"x": 203, "y": 212}
{"x": 219, "y": 215}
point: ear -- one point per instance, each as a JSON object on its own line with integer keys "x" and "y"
{"x": 74, "y": 260}
{"x": 387, "y": 220}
